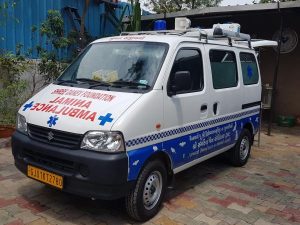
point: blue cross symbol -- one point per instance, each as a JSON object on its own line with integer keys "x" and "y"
{"x": 52, "y": 120}
{"x": 105, "y": 119}
{"x": 249, "y": 71}
{"x": 28, "y": 106}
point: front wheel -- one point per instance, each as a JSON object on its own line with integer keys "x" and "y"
{"x": 240, "y": 153}
{"x": 144, "y": 201}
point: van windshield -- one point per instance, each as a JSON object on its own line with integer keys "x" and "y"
{"x": 117, "y": 64}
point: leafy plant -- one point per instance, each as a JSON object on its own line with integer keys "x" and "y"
{"x": 50, "y": 67}
{"x": 11, "y": 98}
{"x": 11, "y": 68}
{"x": 53, "y": 29}
{"x": 13, "y": 90}
{"x": 135, "y": 18}
{"x": 51, "y": 63}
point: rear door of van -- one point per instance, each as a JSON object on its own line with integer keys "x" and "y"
{"x": 226, "y": 97}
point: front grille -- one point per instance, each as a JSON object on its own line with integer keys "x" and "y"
{"x": 49, "y": 161}
{"x": 58, "y": 138}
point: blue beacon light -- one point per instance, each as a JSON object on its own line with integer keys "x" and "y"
{"x": 160, "y": 25}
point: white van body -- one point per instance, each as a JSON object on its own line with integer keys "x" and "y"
{"x": 177, "y": 129}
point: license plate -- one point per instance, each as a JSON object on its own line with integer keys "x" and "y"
{"x": 45, "y": 176}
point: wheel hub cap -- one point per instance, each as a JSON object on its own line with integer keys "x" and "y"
{"x": 244, "y": 148}
{"x": 152, "y": 190}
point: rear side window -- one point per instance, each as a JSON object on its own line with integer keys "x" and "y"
{"x": 190, "y": 60}
{"x": 249, "y": 68}
{"x": 224, "y": 69}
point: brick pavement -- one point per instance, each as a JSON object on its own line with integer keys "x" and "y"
{"x": 265, "y": 191}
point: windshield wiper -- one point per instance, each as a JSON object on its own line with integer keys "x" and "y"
{"x": 94, "y": 83}
{"x": 88, "y": 80}
{"x": 129, "y": 84}
{"x": 59, "y": 82}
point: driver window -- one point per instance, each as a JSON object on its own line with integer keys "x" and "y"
{"x": 190, "y": 60}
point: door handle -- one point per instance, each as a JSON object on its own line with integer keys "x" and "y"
{"x": 203, "y": 108}
{"x": 215, "y": 108}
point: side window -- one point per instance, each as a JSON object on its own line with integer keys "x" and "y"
{"x": 223, "y": 68}
{"x": 190, "y": 60}
{"x": 249, "y": 68}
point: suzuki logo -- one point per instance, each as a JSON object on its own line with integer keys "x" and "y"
{"x": 50, "y": 136}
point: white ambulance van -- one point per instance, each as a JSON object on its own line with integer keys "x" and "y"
{"x": 133, "y": 110}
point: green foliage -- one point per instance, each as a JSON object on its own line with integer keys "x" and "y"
{"x": 53, "y": 29}
{"x": 12, "y": 91}
{"x": 12, "y": 88}
{"x": 50, "y": 67}
{"x": 11, "y": 99}
{"x": 50, "y": 64}
{"x": 166, "y": 6}
{"x": 11, "y": 68}
{"x": 135, "y": 18}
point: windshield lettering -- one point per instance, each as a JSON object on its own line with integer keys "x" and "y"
{"x": 85, "y": 94}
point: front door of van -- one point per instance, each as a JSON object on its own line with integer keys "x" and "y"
{"x": 184, "y": 110}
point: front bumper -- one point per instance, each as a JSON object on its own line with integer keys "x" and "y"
{"x": 86, "y": 173}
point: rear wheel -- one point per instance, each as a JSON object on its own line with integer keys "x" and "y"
{"x": 144, "y": 201}
{"x": 240, "y": 153}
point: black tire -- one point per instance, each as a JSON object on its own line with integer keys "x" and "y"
{"x": 136, "y": 200}
{"x": 240, "y": 153}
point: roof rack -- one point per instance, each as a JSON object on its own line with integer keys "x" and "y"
{"x": 191, "y": 32}
{"x": 166, "y": 32}
{"x": 216, "y": 33}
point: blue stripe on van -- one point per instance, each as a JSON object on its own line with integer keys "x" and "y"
{"x": 168, "y": 133}
{"x": 189, "y": 147}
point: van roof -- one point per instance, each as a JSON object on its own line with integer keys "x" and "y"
{"x": 169, "y": 39}
{"x": 173, "y": 37}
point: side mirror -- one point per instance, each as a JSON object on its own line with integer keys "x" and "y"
{"x": 181, "y": 82}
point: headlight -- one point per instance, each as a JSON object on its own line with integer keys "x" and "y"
{"x": 102, "y": 141}
{"x": 21, "y": 124}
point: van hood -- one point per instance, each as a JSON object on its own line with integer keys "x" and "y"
{"x": 76, "y": 110}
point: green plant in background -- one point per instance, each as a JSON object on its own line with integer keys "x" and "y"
{"x": 49, "y": 66}
{"x": 12, "y": 87}
{"x": 53, "y": 29}
{"x": 51, "y": 63}
{"x": 136, "y": 17}
{"x": 11, "y": 68}
{"x": 11, "y": 98}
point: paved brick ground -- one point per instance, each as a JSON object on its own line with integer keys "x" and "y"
{"x": 265, "y": 191}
